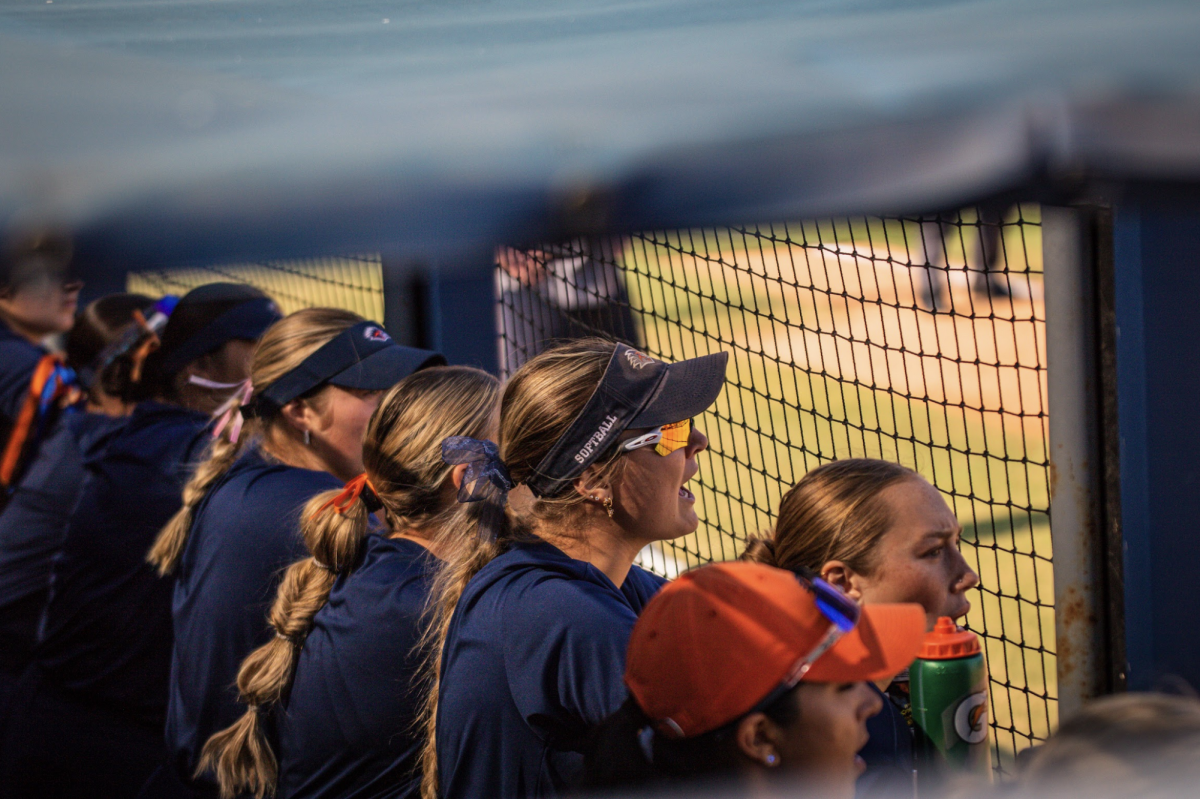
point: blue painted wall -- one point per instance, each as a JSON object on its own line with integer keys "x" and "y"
{"x": 461, "y": 317}
{"x": 1156, "y": 256}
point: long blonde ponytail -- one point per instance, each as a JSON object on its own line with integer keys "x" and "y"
{"x": 539, "y": 404}
{"x": 286, "y": 344}
{"x": 405, "y": 474}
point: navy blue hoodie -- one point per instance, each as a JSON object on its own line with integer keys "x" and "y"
{"x": 19, "y": 357}
{"x": 106, "y": 636}
{"x": 34, "y": 525}
{"x": 244, "y": 534}
{"x": 535, "y": 657}
{"x": 349, "y": 726}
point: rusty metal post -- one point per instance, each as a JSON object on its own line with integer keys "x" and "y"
{"x": 1075, "y": 462}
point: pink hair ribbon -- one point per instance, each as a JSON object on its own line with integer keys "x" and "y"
{"x": 230, "y": 412}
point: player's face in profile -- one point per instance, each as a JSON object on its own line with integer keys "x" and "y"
{"x": 918, "y": 559}
{"x": 652, "y": 499}
{"x": 342, "y": 421}
{"x": 42, "y": 306}
{"x": 822, "y": 746}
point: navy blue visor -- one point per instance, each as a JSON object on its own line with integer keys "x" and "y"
{"x": 247, "y": 320}
{"x": 363, "y": 357}
{"x": 636, "y": 392}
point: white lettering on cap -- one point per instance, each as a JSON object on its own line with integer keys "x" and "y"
{"x": 596, "y": 440}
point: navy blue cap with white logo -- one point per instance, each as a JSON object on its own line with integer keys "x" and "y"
{"x": 636, "y": 392}
{"x": 363, "y": 356}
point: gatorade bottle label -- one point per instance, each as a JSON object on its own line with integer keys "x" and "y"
{"x": 971, "y": 718}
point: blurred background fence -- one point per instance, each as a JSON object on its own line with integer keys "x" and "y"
{"x": 354, "y": 283}
{"x": 920, "y": 340}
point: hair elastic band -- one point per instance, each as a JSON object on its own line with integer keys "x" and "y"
{"x": 486, "y": 476}
{"x": 140, "y": 329}
{"x": 149, "y": 344}
{"x": 230, "y": 412}
{"x": 360, "y": 487}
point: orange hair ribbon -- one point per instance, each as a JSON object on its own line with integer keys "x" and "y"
{"x": 350, "y": 494}
{"x": 148, "y": 345}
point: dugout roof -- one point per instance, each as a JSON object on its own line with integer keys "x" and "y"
{"x": 169, "y": 131}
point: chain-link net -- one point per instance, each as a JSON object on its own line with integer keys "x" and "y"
{"x": 354, "y": 283}
{"x": 917, "y": 340}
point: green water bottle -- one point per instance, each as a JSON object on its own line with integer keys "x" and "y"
{"x": 948, "y": 685}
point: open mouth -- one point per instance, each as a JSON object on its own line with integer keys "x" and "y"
{"x": 684, "y": 491}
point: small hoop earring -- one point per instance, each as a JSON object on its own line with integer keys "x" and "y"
{"x": 608, "y": 506}
{"x": 308, "y": 438}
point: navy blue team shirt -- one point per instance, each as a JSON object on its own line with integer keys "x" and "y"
{"x": 34, "y": 525}
{"x": 534, "y": 658}
{"x": 348, "y": 728}
{"x": 888, "y": 754}
{"x": 244, "y": 534}
{"x": 106, "y": 635}
{"x": 18, "y": 358}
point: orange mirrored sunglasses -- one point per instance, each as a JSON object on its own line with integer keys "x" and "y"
{"x": 666, "y": 439}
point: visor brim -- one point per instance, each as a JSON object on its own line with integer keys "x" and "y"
{"x": 884, "y": 642}
{"x": 386, "y": 368}
{"x": 689, "y": 389}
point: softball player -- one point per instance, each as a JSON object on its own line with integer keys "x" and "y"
{"x": 881, "y": 533}
{"x": 38, "y": 297}
{"x": 536, "y": 608}
{"x": 348, "y": 619}
{"x": 755, "y": 676}
{"x": 34, "y": 524}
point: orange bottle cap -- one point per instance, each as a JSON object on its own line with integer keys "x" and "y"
{"x": 949, "y": 641}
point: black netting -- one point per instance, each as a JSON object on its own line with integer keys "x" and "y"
{"x": 918, "y": 340}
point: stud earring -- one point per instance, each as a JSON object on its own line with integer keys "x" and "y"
{"x": 608, "y": 506}
{"x": 771, "y": 759}
{"x": 308, "y": 438}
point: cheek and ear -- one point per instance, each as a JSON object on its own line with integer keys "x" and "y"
{"x": 456, "y": 476}
{"x": 589, "y": 485}
{"x": 853, "y": 584}
{"x": 759, "y": 739}
{"x": 300, "y": 415}
{"x": 449, "y": 490}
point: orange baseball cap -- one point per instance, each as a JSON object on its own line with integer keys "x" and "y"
{"x": 720, "y": 639}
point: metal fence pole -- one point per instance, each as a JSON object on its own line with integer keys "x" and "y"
{"x": 404, "y": 301}
{"x": 1075, "y": 463}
